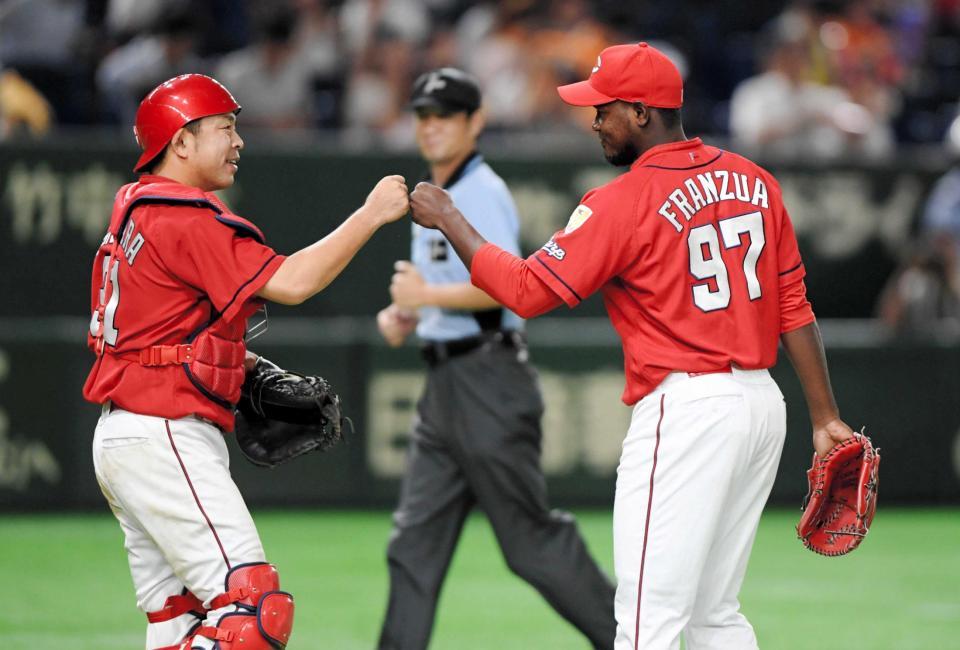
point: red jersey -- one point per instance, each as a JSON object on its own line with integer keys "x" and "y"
{"x": 696, "y": 258}
{"x": 184, "y": 265}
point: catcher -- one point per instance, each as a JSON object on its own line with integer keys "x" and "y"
{"x": 175, "y": 281}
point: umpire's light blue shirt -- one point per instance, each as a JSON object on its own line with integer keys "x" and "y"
{"x": 485, "y": 201}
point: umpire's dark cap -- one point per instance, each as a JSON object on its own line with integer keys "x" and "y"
{"x": 447, "y": 89}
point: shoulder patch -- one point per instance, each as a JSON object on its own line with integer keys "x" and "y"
{"x": 579, "y": 216}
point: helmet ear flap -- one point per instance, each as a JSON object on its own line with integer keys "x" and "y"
{"x": 171, "y": 106}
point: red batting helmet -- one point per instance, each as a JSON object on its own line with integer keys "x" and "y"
{"x": 174, "y": 103}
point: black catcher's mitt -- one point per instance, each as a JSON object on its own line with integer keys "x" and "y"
{"x": 282, "y": 415}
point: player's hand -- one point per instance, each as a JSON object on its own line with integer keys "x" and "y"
{"x": 825, "y": 437}
{"x": 396, "y": 324}
{"x": 388, "y": 200}
{"x": 431, "y": 206}
{"x": 407, "y": 286}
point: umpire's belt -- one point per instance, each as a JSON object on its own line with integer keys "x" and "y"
{"x": 435, "y": 352}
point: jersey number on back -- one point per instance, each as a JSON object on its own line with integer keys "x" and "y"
{"x": 109, "y": 331}
{"x": 706, "y": 263}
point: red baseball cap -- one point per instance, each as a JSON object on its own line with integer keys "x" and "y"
{"x": 632, "y": 73}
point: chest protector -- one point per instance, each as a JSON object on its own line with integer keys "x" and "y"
{"x": 213, "y": 354}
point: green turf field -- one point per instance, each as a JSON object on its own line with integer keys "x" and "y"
{"x": 67, "y": 586}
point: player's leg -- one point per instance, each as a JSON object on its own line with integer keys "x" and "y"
{"x": 716, "y": 623}
{"x": 178, "y": 486}
{"x": 434, "y": 502}
{"x": 686, "y": 442}
{"x": 223, "y": 562}
{"x": 499, "y": 439}
{"x": 154, "y": 580}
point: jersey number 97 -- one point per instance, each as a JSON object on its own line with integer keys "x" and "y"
{"x": 706, "y": 262}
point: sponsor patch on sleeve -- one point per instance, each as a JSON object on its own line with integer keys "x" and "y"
{"x": 553, "y": 250}
{"x": 579, "y": 216}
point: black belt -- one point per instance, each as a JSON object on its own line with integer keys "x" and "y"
{"x": 434, "y": 352}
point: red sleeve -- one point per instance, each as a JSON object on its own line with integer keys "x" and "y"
{"x": 213, "y": 257}
{"x": 596, "y": 246}
{"x": 509, "y": 280}
{"x": 795, "y": 309}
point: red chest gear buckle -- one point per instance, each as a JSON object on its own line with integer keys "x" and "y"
{"x": 166, "y": 355}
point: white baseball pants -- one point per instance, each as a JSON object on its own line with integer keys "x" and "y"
{"x": 697, "y": 467}
{"x": 168, "y": 483}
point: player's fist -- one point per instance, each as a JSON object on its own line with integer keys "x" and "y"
{"x": 396, "y": 324}
{"x": 407, "y": 286}
{"x": 388, "y": 200}
{"x": 431, "y": 206}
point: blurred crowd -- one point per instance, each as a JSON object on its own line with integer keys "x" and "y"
{"x": 922, "y": 298}
{"x": 814, "y": 78}
{"x": 807, "y": 79}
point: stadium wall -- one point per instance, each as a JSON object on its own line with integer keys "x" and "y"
{"x": 905, "y": 394}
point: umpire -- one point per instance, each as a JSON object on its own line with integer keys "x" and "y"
{"x": 476, "y": 438}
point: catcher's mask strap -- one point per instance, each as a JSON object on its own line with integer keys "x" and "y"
{"x": 257, "y": 324}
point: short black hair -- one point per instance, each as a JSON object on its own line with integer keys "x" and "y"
{"x": 669, "y": 116}
{"x": 193, "y": 126}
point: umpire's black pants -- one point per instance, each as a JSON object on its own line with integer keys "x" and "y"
{"x": 476, "y": 441}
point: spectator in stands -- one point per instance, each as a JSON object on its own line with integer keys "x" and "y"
{"x": 383, "y": 37}
{"x": 781, "y": 113}
{"x": 22, "y": 105}
{"x": 125, "y": 19}
{"x": 129, "y": 72}
{"x": 317, "y": 38}
{"x": 940, "y": 222}
{"x": 39, "y": 33}
{"x": 442, "y": 51}
{"x": 923, "y": 296}
{"x": 860, "y": 41}
{"x": 373, "y": 105}
{"x": 494, "y": 48}
{"x": 866, "y": 64}
{"x": 316, "y": 35}
{"x": 563, "y": 47}
{"x": 364, "y": 22}
{"x": 271, "y": 78}
{"x": 40, "y": 39}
